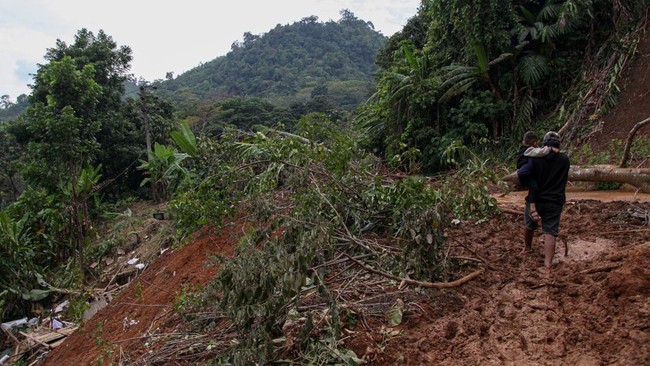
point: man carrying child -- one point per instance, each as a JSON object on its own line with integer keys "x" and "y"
{"x": 546, "y": 173}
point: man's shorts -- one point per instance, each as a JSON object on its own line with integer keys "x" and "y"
{"x": 550, "y": 214}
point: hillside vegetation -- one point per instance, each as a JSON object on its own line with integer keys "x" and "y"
{"x": 334, "y": 224}
{"x": 290, "y": 64}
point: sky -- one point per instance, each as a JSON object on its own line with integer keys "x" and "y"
{"x": 164, "y": 35}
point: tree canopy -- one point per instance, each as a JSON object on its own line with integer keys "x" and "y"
{"x": 289, "y": 62}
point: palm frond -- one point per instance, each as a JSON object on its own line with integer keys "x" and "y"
{"x": 457, "y": 89}
{"x": 481, "y": 57}
{"x": 501, "y": 57}
{"x": 530, "y": 17}
{"x": 532, "y": 69}
{"x": 549, "y": 12}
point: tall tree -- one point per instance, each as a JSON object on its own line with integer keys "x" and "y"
{"x": 75, "y": 102}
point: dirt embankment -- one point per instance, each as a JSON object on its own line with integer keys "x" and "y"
{"x": 633, "y": 105}
{"x": 117, "y": 333}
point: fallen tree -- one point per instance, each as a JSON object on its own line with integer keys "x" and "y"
{"x": 638, "y": 177}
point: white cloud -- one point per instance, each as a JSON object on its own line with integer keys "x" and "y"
{"x": 166, "y": 35}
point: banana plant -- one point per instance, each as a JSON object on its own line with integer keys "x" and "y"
{"x": 164, "y": 169}
{"x": 185, "y": 139}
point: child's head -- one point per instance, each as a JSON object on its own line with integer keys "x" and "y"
{"x": 530, "y": 139}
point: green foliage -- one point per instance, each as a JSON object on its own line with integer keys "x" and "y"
{"x": 3, "y": 296}
{"x": 17, "y": 266}
{"x": 10, "y": 180}
{"x": 75, "y": 122}
{"x": 470, "y": 185}
{"x": 164, "y": 169}
{"x": 287, "y": 63}
{"x": 78, "y": 306}
{"x": 244, "y": 113}
{"x": 105, "y": 358}
{"x": 185, "y": 139}
{"x": 503, "y": 48}
{"x": 188, "y": 299}
{"x": 138, "y": 291}
{"x": 319, "y": 197}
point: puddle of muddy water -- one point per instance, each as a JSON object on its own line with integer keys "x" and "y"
{"x": 582, "y": 250}
{"x": 517, "y": 198}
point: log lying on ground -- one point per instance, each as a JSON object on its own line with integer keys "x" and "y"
{"x": 637, "y": 177}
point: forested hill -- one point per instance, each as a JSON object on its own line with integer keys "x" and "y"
{"x": 290, "y": 63}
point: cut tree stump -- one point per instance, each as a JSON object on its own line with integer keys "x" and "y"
{"x": 638, "y": 177}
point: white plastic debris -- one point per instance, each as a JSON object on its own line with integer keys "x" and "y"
{"x": 133, "y": 261}
{"x": 13, "y": 324}
{"x": 139, "y": 266}
{"x": 62, "y": 306}
{"x": 55, "y": 324}
{"x": 128, "y": 322}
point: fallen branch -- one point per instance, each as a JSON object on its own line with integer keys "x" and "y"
{"x": 630, "y": 138}
{"x": 425, "y": 284}
{"x": 606, "y": 268}
{"x": 511, "y": 211}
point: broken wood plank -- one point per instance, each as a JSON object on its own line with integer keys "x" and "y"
{"x": 30, "y": 337}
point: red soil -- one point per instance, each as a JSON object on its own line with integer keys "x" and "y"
{"x": 147, "y": 300}
{"x": 634, "y": 102}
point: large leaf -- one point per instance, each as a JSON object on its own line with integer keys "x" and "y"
{"x": 533, "y": 69}
{"x": 481, "y": 57}
{"x": 35, "y": 294}
{"x": 185, "y": 139}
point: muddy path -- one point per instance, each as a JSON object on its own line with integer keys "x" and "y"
{"x": 594, "y": 308}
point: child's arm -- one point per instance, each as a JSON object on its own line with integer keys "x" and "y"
{"x": 536, "y": 152}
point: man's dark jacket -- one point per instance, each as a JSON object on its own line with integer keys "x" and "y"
{"x": 548, "y": 176}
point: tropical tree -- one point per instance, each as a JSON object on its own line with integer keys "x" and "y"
{"x": 76, "y": 98}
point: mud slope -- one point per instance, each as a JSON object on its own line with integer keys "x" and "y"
{"x": 116, "y": 332}
{"x": 634, "y": 102}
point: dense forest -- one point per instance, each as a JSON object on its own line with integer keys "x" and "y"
{"x": 347, "y": 125}
{"x": 290, "y": 64}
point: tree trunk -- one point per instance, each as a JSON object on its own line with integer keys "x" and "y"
{"x": 637, "y": 177}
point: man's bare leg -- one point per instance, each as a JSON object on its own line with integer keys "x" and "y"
{"x": 528, "y": 240}
{"x": 549, "y": 249}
